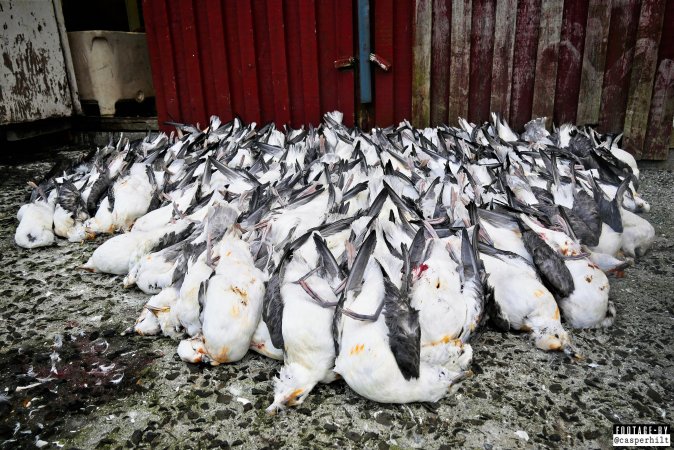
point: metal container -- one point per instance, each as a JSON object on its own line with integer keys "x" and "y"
{"x": 111, "y": 66}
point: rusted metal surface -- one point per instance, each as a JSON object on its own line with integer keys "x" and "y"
{"x": 594, "y": 60}
{"x": 33, "y": 80}
{"x": 393, "y": 40}
{"x": 459, "y": 76}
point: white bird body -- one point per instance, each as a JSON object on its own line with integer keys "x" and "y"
{"x": 114, "y": 254}
{"x": 557, "y": 240}
{"x": 444, "y": 311}
{"x": 156, "y": 316}
{"x": 307, "y": 331}
{"x": 588, "y": 305}
{"x": 231, "y": 313}
{"x": 637, "y": 236}
{"x": 366, "y": 362}
{"x": 102, "y": 221}
{"x": 153, "y": 271}
{"x": 610, "y": 241}
{"x": 133, "y": 194}
{"x": 120, "y": 253}
{"x": 503, "y": 130}
{"x": 187, "y": 309}
{"x": 625, "y": 157}
{"x": 508, "y": 239}
{"x": 524, "y": 302}
{"x": 154, "y": 219}
{"x": 262, "y": 344}
{"x": 67, "y": 226}
{"x": 35, "y": 225}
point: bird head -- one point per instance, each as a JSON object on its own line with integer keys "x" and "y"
{"x": 291, "y": 387}
{"x": 193, "y": 351}
{"x": 553, "y": 338}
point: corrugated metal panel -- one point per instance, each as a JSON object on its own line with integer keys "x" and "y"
{"x": 33, "y": 80}
{"x": 262, "y": 60}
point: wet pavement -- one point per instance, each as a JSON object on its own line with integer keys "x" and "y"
{"x": 69, "y": 378}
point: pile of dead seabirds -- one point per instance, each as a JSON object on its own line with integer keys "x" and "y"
{"x": 374, "y": 257}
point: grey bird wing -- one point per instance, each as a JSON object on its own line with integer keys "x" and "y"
{"x": 496, "y": 315}
{"x": 172, "y": 238}
{"x": 580, "y": 229}
{"x": 353, "y": 191}
{"x": 97, "y": 191}
{"x": 203, "y": 288}
{"x": 542, "y": 195}
{"x": 417, "y": 248}
{"x": 327, "y": 259}
{"x": 609, "y": 210}
{"x": 69, "y": 197}
{"x": 586, "y": 209}
{"x": 111, "y": 197}
{"x": 550, "y": 265}
{"x": 272, "y": 308}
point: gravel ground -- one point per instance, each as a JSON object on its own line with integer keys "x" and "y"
{"x": 151, "y": 399}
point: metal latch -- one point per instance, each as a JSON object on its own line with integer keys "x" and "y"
{"x": 381, "y": 62}
{"x": 345, "y": 63}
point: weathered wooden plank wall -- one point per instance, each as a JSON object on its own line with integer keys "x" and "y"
{"x": 643, "y": 74}
{"x": 571, "y": 47}
{"x": 659, "y": 127}
{"x": 608, "y": 63}
{"x": 602, "y": 62}
{"x": 502, "y": 69}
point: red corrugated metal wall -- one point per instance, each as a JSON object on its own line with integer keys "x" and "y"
{"x": 265, "y": 60}
{"x": 604, "y": 62}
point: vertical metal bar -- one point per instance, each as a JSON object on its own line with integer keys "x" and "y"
{"x": 364, "y": 51}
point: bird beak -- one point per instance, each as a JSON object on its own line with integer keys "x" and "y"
{"x": 273, "y": 409}
{"x": 572, "y": 353}
{"x": 462, "y": 376}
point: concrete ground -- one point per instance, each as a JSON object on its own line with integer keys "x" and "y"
{"x": 109, "y": 390}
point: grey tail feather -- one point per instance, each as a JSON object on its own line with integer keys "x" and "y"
{"x": 404, "y": 332}
{"x": 203, "y": 288}
{"x": 377, "y": 204}
{"x": 360, "y": 263}
{"x": 417, "y": 247}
